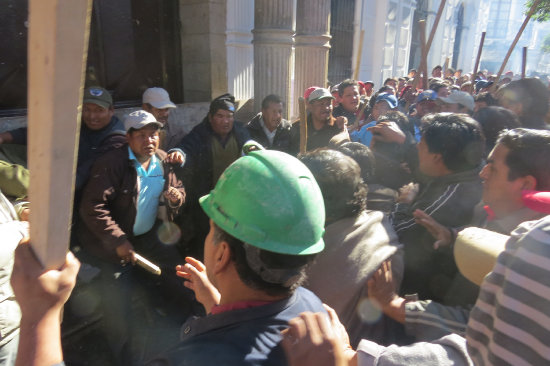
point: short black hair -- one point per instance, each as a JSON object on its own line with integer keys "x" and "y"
{"x": 533, "y": 95}
{"x": 438, "y": 84}
{"x": 457, "y": 137}
{"x": 493, "y": 120}
{"x": 437, "y": 67}
{"x": 339, "y": 177}
{"x": 363, "y": 156}
{"x": 346, "y": 84}
{"x": 273, "y": 260}
{"x": 388, "y": 80}
{"x": 400, "y": 118}
{"x": 271, "y": 98}
{"x": 487, "y": 98}
{"x": 529, "y": 154}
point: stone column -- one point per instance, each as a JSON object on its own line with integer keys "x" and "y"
{"x": 240, "y": 53}
{"x": 312, "y": 45}
{"x": 273, "y": 31}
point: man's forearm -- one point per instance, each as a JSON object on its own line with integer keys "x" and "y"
{"x": 40, "y": 341}
{"x": 395, "y": 309}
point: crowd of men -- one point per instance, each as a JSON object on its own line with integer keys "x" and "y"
{"x": 278, "y": 243}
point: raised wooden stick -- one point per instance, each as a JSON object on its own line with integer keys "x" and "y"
{"x": 518, "y": 35}
{"x": 445, "y": 66}
{"x": 303, "y": 124}
{"x": 359, "y": 52}
{"x": 57, "y": 50}
{"x": 424, "y": 51}
{"x": 436, "y": 23}
{"x": 524, "y": 62}
{"x": 478, "y": 59}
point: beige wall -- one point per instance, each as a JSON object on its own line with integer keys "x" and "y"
{"x": 204, "y": 55}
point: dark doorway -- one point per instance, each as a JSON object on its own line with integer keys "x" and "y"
{"x": 134, "y": 44}
{"x": 341, "y": 30}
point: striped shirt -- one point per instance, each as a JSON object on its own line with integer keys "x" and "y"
{"x": 510, "y": 323}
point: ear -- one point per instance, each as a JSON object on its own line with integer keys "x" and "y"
{"x": 222, "y": 257}
{"x": 529, "y": 182}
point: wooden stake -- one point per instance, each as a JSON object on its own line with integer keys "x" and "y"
{"x": 436, "y": 23}
{"x": 57, "y": 50}
{"x": 524, "y": 62}
{"x": 424, "y": 51}
{"x": 478, "y": 59}
{"x": 513, "y": 45}
{"x": 303, "y": 124}
{"x": 359, "y": 52}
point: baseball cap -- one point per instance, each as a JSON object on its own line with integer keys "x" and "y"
{"x": 225, "y": 101}
{"x": 158, "y": 98}
{"x": 309, "y": 90}
{"x": 388, "y": 98}
{"x": 369, "y": 82}
{"x": 318, "y": 94}
{"x": 426, "y": 95}
{"x": 139, "y": 119}
{"x": 98, "y": 96}
{"x": 459, "y": 97}
{"x": 482, "y": 84}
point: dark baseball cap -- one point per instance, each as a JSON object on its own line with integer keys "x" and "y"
{"x": 98, "y": 96}
{"x": 388, "y": 98}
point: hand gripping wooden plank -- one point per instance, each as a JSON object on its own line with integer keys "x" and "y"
{"x": 57, "y": 51}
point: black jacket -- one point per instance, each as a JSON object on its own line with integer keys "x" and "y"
{"x": 281, "y": 141}
{"x": 450, "y": 200}
{"x": 197, "y": 176}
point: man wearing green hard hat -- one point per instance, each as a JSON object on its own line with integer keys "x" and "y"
{"x": 266, "y": 224}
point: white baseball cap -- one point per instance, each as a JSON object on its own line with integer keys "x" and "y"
{"x": 460, "y": 97}
{"x": 158, "y": 98}
{"x": 140, "y": 119}
{"x": 318, "y": 94}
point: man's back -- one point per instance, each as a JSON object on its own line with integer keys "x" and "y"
{"x": 247, "y": 336}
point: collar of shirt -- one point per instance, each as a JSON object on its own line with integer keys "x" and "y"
{"x": 153, "y": 165}
{"x": 270, "y": 135}
{"x": 217, "y": 309}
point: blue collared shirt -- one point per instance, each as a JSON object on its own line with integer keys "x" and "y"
{"x": 363, "y": 135}
{"x": 151, "y": 184}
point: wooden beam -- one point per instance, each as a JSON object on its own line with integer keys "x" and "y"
{"x": 516, "y": 39}
{"x": 523, "y": 62}
{"x": 303, "y": 124}
{"x": 424, "y": 51}
{"x": 478, "y": 59}
{"x": 436, "y": 23}
{"x": 359, "y": 54}
{"x": 57, "y": 50}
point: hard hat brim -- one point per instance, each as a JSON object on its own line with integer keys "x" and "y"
{"x": 253, "y": 235}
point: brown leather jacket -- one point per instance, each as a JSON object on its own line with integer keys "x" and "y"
{"x": 109, "y": 202}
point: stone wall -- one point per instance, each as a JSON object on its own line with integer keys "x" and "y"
{"x": 185, "y": 117}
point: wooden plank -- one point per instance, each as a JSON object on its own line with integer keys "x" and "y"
{"x": 57, "y": 50}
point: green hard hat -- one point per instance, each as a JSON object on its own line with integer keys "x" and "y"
{"x": 269, "y": 200}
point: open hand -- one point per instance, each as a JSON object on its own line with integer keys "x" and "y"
{"x": 441, "y": 233}
{"x": 194, "y": 272}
